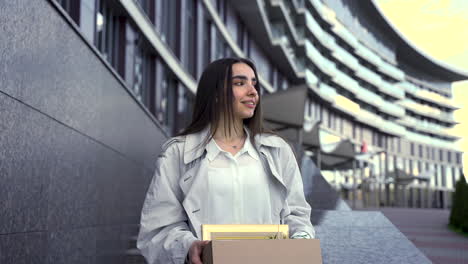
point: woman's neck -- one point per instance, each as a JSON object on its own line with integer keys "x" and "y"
{"x": 229, "y": 133}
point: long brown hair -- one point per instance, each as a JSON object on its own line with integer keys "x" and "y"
{"x": 215, "y": 98}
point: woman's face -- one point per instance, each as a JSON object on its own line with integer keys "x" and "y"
{"x": 243, "y": 89}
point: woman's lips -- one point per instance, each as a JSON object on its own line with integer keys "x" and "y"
{"x": 249, "y": 105}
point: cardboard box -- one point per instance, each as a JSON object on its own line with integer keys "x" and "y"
{"x": 275, "y": 251}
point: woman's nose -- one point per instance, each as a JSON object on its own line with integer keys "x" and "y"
{"x": 253, "y": 90}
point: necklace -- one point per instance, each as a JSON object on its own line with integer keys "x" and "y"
{"x": 232, "y": 144}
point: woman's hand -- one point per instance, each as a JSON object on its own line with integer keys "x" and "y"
{"x": 195, "y": 251}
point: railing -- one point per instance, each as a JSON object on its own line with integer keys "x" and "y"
{"x": 429, "y": 140}
{"x": 427, "y": 110}
{"x": 322, "y": 63}
{"x": 346, "y": 82}
{"x": 369, "y": 118}
{"x": 392, "y": 90}
{"x": 392, "y": 109}
{"x": 369, "y": 97}
{"x": 428, "y": 127}
{"x": 369, "y": 76}
{"x": 313, "y": 25}
{"x": 368, "y": 55}
{"x": 326, "y": 39}
{"x": 392, "y": 128}
{"x": 327, "y": 92}
{"x": 435, "y": 98}
{"x": 310, "y": 77}
{"x": 392, "y": 71}
{"x": 344, "y": 34}
{"x": 346, "y": 58}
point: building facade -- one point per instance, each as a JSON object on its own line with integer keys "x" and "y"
{"x": 367, "y": 82}
{"x": 115, "y": 78}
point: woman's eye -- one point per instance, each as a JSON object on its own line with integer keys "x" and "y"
{"x": 238, "y": 83}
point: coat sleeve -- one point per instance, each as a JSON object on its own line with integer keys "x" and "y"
{"x": 165, "y": 236}
{"x": 297, "y": 213}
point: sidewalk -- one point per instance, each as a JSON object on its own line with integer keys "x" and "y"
{"x": 427, "y": 229}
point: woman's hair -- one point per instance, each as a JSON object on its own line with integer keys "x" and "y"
{"x": 215, "y": 98}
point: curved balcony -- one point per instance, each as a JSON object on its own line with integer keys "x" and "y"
{"x": 322, "y": 63}
{"x": 313, "y": 26}
{"x": 407, "y": 87}
{"x": 428, "y": 111}
{"x": 256, "y": 19}
{"x": 323, "y": 37}
{"x": 392, "y": 109}
{"x": 436, "y": 98}
{"x": 341, "y": 31}
{"x": 310, "y": 78}
{"x": 369, "y": 76}
{"x": 428, "y": 127}
{"x": 412, "y": 136}
{"x": 324, "y": 91}
{"x": 321, "y": 9}
{"x": 391, "y": 71}
{"x": 383, "y": 125}
{"x": 428, "y": 96}
{"x": 369, "y": 97}
{"x": 392, "y": 128}
{"x": 287, "y": 17}
{"x": 346, "y": 105}
{"x": 368, "y": 55}
{"x": 346, "y": 58}
{"x": 391, "y": 90}
{"x": 346, "y": 82}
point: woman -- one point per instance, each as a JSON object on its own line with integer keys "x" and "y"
{"x": 224, "y": 168}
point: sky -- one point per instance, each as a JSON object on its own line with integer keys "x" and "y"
{"x": 438, "y": 28}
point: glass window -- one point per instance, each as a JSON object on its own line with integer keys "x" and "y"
{"x": 376, "y": 164}
{"x": 207, "y": 42}
{"x": 383, "y": 163}
{"x": 400, "y": 163}
{"x": 219, "y": 46}
{"x": 169, "y": 24}
{"x": 431, "y": 167}
{"x": 439, "y": 175}
{"x": 407, "y": 166}
{"x": 191, "y": 29}
{"x": 185, "y": 101}
{"x": 354, "y": 129}
{"x": 449, "y": 177}
{"x": 456, "y": 174}
{"x": 72, "y": 7}
{"x": 458, "y": 155}
{"x": 87, "y": 17}
{"x": 391, "y": 163}
{"x": 166, "y": 102}
{"x": 443, "y": 176}
{"x": 109, "y": 38}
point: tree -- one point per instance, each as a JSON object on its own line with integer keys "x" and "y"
{"x": 459, "y": 212}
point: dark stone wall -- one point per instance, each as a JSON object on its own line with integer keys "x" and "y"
{"x": 76, "y": 148}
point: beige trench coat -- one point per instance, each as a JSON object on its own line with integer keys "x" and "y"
{"x": 169, "y": 218}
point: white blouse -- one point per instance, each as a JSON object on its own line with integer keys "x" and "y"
{"x": 237, "y": 187}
